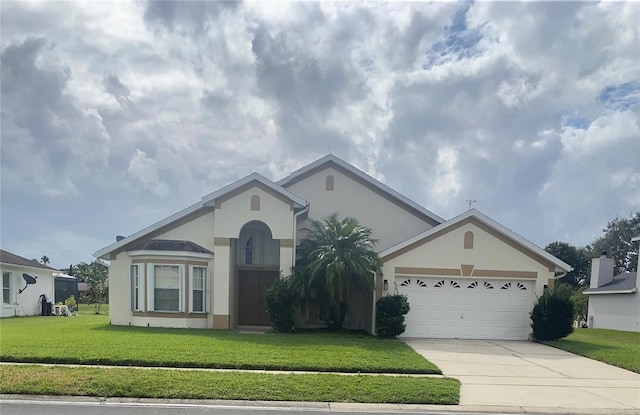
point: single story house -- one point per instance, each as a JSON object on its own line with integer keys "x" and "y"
{"x": 208, "y": 265}
{"x": 18, "y": 297}
{"x": 614, "y": 300}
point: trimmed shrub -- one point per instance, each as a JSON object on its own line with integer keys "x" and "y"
{"x": 552, "y": 317}
{"x": 281, "y": 303}
{"x": 390, "y": 312}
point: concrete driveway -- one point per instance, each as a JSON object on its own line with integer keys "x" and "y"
{"x": 530, "y": 375}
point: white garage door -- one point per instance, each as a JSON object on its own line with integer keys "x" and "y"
{"x": 467, "y": 308}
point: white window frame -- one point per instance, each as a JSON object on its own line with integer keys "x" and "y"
{"x": 140, "y": 287}
{"x": 151, "y": 287}
{"x": 7, "y": 288}
{"x": 205, "y": 289}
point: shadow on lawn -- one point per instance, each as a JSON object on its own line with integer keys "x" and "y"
{"x": 304, "y": 337}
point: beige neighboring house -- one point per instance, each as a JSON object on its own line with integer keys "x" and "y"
{"x": 208, "y": 265}
{"x": 18, "y": 298}
{"x": 614, "y": 300}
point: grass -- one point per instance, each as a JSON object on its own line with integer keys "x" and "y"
{"x": 618, "y": 348}
{"x": 194, "y": 384}
{"x": 89, "y": 339}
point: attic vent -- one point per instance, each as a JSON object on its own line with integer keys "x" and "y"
{"x": 329, "y": 183}
{"x": 119, "y": 238}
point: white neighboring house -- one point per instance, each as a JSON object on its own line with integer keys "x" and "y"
{"x": 16, "y": 299}
{"x": 614, "y": 300}
{"x": 208, "y": 266}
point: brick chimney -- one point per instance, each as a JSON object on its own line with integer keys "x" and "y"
{"x": 601, "y": 271}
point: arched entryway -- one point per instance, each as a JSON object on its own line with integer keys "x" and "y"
{"x": 257, "y": 264}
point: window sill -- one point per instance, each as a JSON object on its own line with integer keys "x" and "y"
{"x": 168, "y": 314}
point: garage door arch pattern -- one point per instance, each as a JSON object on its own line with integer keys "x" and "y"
{"x": 467, "y": 307}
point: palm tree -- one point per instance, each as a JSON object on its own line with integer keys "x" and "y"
{"x": 44, "y": 259}
{"x": 335, "y": 255}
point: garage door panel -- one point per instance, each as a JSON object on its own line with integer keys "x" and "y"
{"x": 467, "y": 308}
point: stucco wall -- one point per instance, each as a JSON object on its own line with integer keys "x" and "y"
{"x": 27, "y": 303}
{"x": 199, "y": 230}
{"x": 615, "y": 311}
{"x": 488, "y": 253}
{"x": 390, "y": 223}
{"x": 234, "y": 213}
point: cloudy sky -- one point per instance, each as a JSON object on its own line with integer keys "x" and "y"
{"x": 116, "y": 114}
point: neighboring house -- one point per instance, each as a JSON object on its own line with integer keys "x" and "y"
{"x": 614, "y": 301}
{"x": 208, "y": 265}
{"x": 18, "y": 299}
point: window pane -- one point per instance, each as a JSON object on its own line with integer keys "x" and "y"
{"x": 166, "y": 299}
{"x": 167, "y": 277}
{"x": 197, "y": 289}
{"x": 6, "y": 288}
{"x": 197, "y": 301}
{"x": 166, "y": 285}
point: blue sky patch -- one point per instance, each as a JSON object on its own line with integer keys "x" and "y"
{"x": 458, "y": 40}
{"x": 620, "y": 97}
{"x": 576, "y": 121}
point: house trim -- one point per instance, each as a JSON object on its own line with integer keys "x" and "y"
{"x": 461, "y": 272}
{"x": 630, "y": 291}
{"x": 169, "y": 314}
{"x": 185, "y": 254}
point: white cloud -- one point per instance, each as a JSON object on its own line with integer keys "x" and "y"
{"x": 146, "y": 170}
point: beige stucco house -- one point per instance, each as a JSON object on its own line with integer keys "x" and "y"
{"x": 208, "y": 265}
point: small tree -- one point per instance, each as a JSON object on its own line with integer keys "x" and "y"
{"x": 96, "y": 275}
{"x": 390, "y": 312}
{"x": 281, "y": 305}
{"x": 552, "y": 317}
{"x": 336, "y": 255}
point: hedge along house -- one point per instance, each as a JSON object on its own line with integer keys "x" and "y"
{"x": 209, "y": 265}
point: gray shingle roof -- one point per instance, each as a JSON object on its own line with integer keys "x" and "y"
{"x": 624, "y": 282}
{"x": 9, "y": 258}
{"x": 170, "y": 245}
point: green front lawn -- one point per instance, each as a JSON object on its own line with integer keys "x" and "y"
{"x": 618, "y": 348}
{"x": 89, "y": 339}
{"x": 193, "y": 384}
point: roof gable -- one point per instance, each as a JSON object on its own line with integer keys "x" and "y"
{"x": 361, "y": 177}
{"x": 254, "y": 179}
{"x": 9, "y": 258}
{"x": 206, "y": 205}
{"x": 486, "y": 224}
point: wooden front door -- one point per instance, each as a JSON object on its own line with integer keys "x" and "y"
{"x": 252, "y": 284}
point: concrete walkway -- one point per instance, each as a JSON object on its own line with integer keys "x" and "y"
{"x": 531, "y": 377}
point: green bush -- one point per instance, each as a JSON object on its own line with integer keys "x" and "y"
{"x": 70, "y": 302}
{"x": 552, "y": 317}
{"x": 281, "y": 303}
{"x": 390, "y": 311}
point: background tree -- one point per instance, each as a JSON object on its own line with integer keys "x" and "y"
{"x": 44, "y": 259}
{"x": 616, "y": 241}
{"x": 335, "y": 255}
{"x": 96, "y": 275}
{"x": 578, "y": 258}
